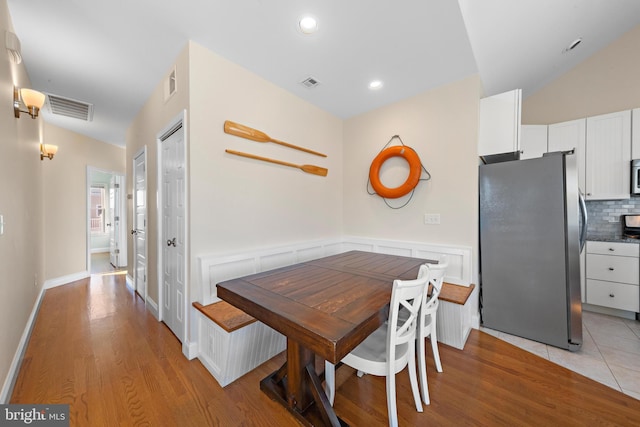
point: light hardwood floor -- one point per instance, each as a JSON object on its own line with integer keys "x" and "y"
{"x": 96, "y": 347}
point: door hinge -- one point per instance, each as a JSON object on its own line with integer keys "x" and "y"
{"x": 116, "y": 185}
{"x": 117, "y": 251}
{"x": 117, "y": 218}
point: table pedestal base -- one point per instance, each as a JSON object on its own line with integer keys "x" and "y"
{"x": 317, "y": 412}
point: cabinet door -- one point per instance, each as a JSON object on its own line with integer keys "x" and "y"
{"x": 499, "y": 130}
{"x": 533, "y": 141}
{"x": 635, "y": 134}
{"x": 571, "y": 135}
{"x": 608, "y": 156}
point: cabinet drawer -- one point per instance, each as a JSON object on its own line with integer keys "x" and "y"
{"x": 614, "y": 295}
{"x": 613, "y": 248}
{"x": 613, "y": 268}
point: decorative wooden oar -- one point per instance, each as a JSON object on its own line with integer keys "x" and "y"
{"x": 316, "y": 170}
{"x": 243, "y": 131}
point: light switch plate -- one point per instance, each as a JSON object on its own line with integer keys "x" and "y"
{"x": 431, "y": 218}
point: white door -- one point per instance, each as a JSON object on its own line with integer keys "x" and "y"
{"x": 116, "y": 223}
{"x": 139, "y": 230}
{"x": 113, "y": 242}
{"x": 173, "y": 229}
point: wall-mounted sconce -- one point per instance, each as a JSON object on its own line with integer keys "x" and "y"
{"x": 32, "y": 99}
{"x": 48, "y": 150}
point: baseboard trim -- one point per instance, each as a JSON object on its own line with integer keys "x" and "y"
{"x": 65, "y": 280}
{"x": 190, "y": 350}
{"x": 129, "y": 282}
{"x": 152, "y": 306}
{"x": 14, "y": 368}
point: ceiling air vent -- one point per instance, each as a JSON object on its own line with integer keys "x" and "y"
{"x": 69, "y": 107}
{"x": 310, "y": 82}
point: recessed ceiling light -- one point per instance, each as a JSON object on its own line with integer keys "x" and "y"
{"x": 375, "y": 84}
{"x": 308, "y": 25}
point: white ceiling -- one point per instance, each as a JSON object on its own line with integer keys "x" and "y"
{"x": 113, "y": 53}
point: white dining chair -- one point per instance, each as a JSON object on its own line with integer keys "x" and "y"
{"x": 391, "y": 347}
{"x": 427, "y": 323}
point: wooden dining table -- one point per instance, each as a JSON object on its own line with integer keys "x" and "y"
{"x": 325, "y": 308}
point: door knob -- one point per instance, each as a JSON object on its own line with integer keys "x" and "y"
{"x": 172, "y": 242}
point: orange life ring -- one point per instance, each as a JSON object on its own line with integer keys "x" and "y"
{"x": 415, "y": 170}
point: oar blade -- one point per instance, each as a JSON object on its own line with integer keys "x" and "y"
{"x": 243, "y": 131}
{"x": 316, "y": 170}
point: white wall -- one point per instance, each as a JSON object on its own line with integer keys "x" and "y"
{"x": 65, "y": 197}
{"x": 238, "y": 203}
{"x": 21, "y": 244}
{"x": 442, "y": 126}
{"x": 604, "y": 83}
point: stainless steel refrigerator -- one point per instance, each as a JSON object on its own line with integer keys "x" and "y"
{"x": 532, "y": 230}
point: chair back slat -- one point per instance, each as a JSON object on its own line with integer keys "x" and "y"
{"x": 407, "y": 294}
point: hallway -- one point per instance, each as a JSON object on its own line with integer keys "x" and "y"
{"x": 100, "y": 264}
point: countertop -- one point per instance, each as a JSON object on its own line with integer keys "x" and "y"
{"x": 609, "y": 238}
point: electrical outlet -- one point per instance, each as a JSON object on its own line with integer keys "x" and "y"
{"x": 431, "y": 219}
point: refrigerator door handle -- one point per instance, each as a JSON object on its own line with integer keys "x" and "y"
{"x": 583, "y": 213}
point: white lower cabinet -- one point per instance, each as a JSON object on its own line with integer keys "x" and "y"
{"x": 614, "y": 295}
{"x": 613, "y": 275}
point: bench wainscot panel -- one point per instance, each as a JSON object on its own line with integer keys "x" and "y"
{"x": 233, "y": 343}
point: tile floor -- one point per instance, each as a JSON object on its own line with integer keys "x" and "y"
{"x": 610, "y": 351}
{"x": 100, "y": 263}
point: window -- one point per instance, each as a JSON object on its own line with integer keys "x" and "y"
{"x": 97, "y": 209}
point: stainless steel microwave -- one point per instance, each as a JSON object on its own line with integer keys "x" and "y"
{"x": 635, "y": 176}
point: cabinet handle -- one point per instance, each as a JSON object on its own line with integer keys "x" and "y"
{"x": 612, "y": 295}
{"x": 612, "y": 250}
{"x": 611, "y": 269}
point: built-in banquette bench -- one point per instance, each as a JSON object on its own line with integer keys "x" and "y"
{"x": 232, "y": 343}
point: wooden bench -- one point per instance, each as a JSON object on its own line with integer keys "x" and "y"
{"x": 225, "y": 315}
{"x": 233, "y": 343}
{"x": 454, "y": 315}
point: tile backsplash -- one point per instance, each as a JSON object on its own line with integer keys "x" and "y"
{"x": 604, "y": 216}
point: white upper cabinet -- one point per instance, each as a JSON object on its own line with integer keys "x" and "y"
{"x": 635, "y": 134}
{"x": 567, "y": 136}
{"x": 499, "y": 130}
{"x": 608, "y": 156}
{"x": 533, "y": 141}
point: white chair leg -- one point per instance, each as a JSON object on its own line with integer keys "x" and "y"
{"x": 413, "y": 377}
{"x": 330, "y": 381}
{"x": 392, "y": 411}
{"x": 422, "y": 366}
{"x": 434, "y": 347}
